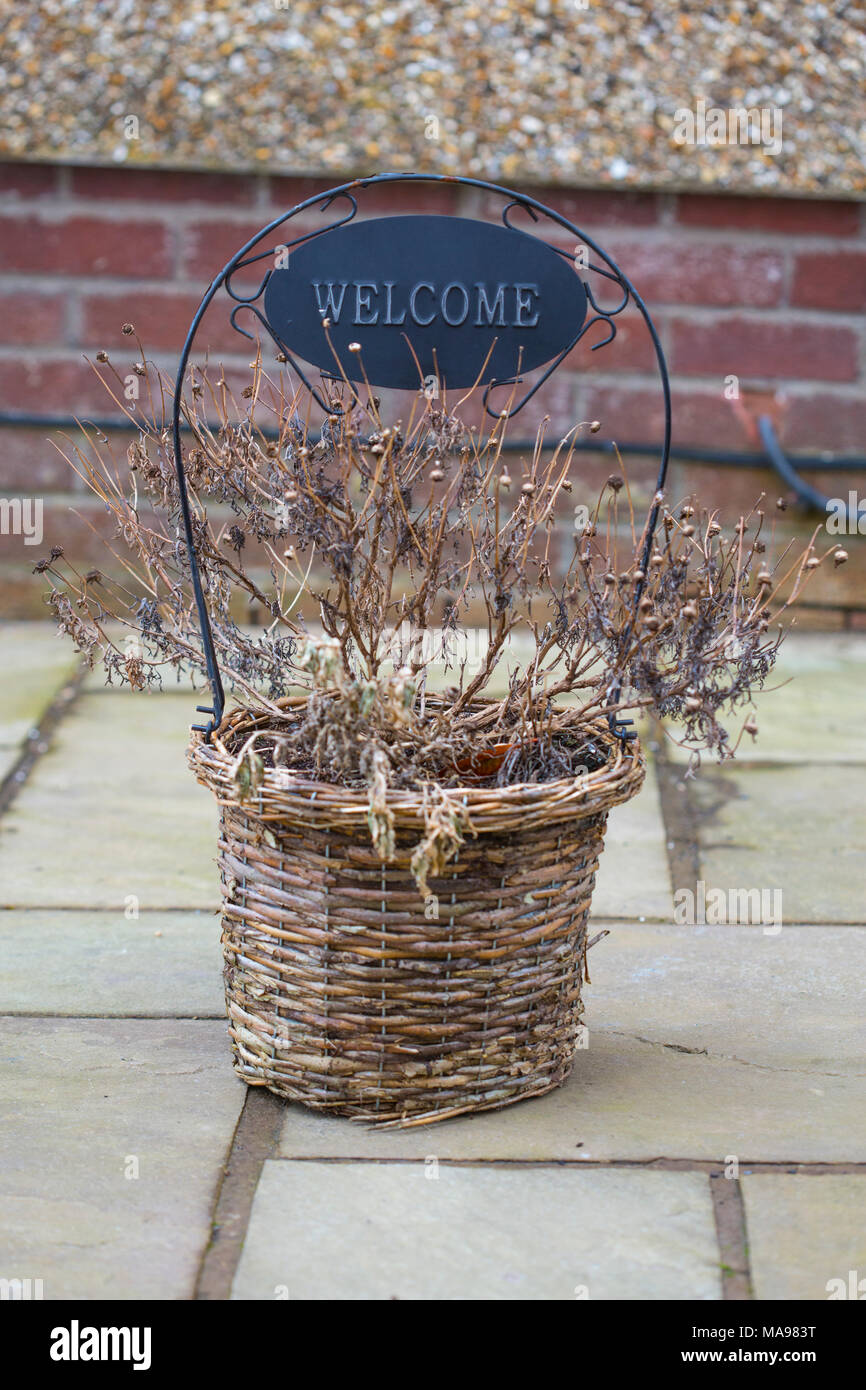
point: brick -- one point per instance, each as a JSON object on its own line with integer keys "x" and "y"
{"x": 824, "y": 420}
{"x": 31, "y": 318}
{"x": 28, "y": 180}
{"x": 761, "y": 348}
{"x": 631, "y": 349}
{"x": 163, "y": 186}
{"x": 30, "y": 464}
{"x": 208, "y": 245}
{"x": 161, "y": 319}
{"x": 790, "y": 216}
{"x": 835, "y": 280}
{"x": 86, "y": 246}
{"x": 383, "y": 199}
{"x": 557, "y": 399}
{"x": 636, "y": 415}
{"x": 65, "y": 522}
{"x": 724, "y": 276}
{"x": 53, "y": 386}
{"x": 284, "y": 193}
{"x": 733, "y": 491}
{"x": 585, "y": 207}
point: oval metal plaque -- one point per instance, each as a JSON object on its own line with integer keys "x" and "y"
{"x": 454, "y": 288}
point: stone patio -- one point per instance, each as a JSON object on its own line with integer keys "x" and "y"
{"x": 710, "y": 1144}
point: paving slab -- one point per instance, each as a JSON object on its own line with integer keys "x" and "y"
{"x": 633, "y": 878}
{"x": 112, "y": 810}
{"x": 806, "y": 1235}
{"x": 703, "y": 1043}
{"x": 83, "y": 1104}
{"x": 36, "y": 665}
{"x": 160, "y": 965}
{"x": 792, "y": 999}
{"x": 812, "y": 709}
{"x": 797, "y": 829}
{"x": 375, "y": 1231}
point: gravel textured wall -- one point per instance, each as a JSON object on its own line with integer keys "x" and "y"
{"x": 576, "y": 92}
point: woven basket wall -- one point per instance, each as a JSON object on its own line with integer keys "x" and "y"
{"x": 344, "y": 995}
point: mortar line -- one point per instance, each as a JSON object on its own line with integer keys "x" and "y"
{"x": 253, "y": 1142}
{"x": 38, "y": 741}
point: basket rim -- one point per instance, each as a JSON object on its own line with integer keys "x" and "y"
{"x": 284, "y": 796}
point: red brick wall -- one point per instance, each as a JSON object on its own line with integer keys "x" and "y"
{"x": 770, "y": 290}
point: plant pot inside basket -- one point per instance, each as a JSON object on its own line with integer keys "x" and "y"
{"x": 348, "y": 992}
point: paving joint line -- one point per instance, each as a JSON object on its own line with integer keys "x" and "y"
{"x": 114, "y": 1018}
{"x": 114, "y": 911}
{"x": 729, "y": 1214}
{"x": 39, "y": 740}
{"x": 254, "y": 1141}
{"x": 712, "y": 1167}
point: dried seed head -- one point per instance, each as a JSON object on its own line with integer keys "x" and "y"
{"x": 639, "y": 576}
{"x": 102, "y": 355}
{"x": 505, "y": 481}
{"x": 713, "y": 529}
{"x": 595, "y": 427}
{"x": 610, "y": 579}
{"x": 686, "y": 512}
{"x": 566, "y": 485}
{"x": 657, "y": 560}
{"x": 436, "y": 475}
{"x": 690, "y": 612}
{"x": 528, "y": 489}
{"x": 692, "y": 703}
{"x": 751, "y": 725}
{"x": 688, "y": 530}
{"x": 764, "y": 577}
{"x": 812, "y": 563}
{"x": 646, "y": 605}
{"x": 128, "y": 329}
{"x": 615, "y": 482}
{"x": 840, "y": 557}
{"x": 354, "y": 347}
{"x": 782, "y": 504}
{"x": 652, "y": 624}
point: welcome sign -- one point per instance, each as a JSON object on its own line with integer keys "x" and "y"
{"x": 407, "y": 298}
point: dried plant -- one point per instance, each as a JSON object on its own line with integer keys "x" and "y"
{"x": 373, "y": 549}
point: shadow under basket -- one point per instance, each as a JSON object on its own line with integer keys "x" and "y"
{"x": 347, "y": 993}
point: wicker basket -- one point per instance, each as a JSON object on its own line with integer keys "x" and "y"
{"x": 343, "y": 993}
